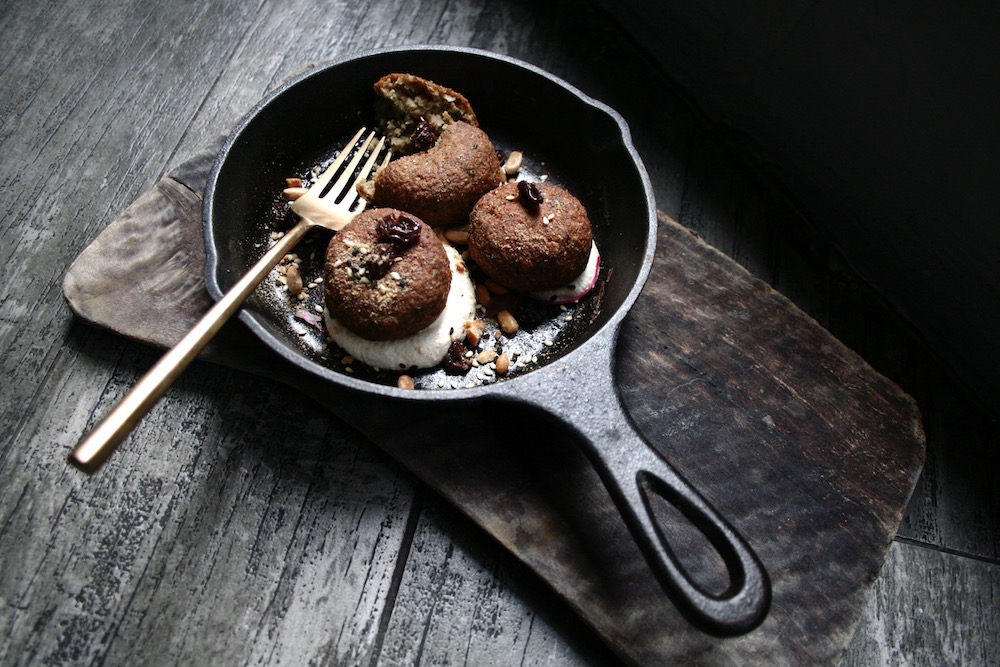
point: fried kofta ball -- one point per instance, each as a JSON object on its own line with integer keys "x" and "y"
{"x": 439, "y": 186}
{"x": 530, "y": 236}
{"x": 412, "y": 112}
{"x": 387, "y": 275}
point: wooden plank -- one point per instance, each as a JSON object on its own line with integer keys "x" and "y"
{"x": 151, "y": 562}
{"x": 929, "y": 608}
{"x": 463, "y": 602}
{"x": 709, "y": 359}
{"x": 214, "y": 544}
{"x": 99, "y": 100}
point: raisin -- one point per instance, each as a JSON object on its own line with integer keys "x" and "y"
{"x": 530, "y": 196}
{"x": 400, "y": 230}
{"x": 531, "y": 312}
{"x": 423, "y": 137}
{"x": 455, "y": 362}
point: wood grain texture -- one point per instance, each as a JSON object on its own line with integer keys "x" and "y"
{"x": 467, "y": 605}
{"x": 97, "y": 102}
{"x": 905, "y": 604}
{"x": 725, "y": 375}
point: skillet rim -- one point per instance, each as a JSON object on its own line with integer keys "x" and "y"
{"x": 607, "y": 332}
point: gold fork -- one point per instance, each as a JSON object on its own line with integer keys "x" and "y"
{"x": 322, "y": 205}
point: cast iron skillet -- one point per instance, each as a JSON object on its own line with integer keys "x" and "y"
{"x": 581, "y": 144}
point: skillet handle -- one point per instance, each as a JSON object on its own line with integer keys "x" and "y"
{"x": 635, "y": 474}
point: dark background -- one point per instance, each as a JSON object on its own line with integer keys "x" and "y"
{"x": 882, "y": 121}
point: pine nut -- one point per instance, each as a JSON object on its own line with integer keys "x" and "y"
{"x": 495, "y": 287}
{"x": 513, "y": 163}
{"x": 457, "y": 236}
{"x": 507, "y": 322}
{"x": 293, "y": 280}
{"x": 482, "y": 294}
{"x": 503, "y": 364}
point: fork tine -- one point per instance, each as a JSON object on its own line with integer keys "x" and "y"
{"x": 358, "y": 201}
{"x": 327, "y": 175}
{"x": 338, "y": 189}
{"x": 333, "y": 205}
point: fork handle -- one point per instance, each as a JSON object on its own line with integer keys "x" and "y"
{"x": 93, "y": 450}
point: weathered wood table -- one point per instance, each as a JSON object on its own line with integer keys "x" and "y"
{"x": 246, "y": 521}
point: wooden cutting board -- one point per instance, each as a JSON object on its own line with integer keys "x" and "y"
{"x": 809, "y": 452}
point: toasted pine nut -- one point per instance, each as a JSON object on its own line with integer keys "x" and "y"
{"x": 404, "y": 382}
{"x": 495, "y": 287}
{"x": 482, "y": 294}
{"x": 507, "y": 322}
{"x": 459, "y": 236}
{"x": 503, "y": 363}
{"x": 513, "y": 163}
{"x": 291, "y": 194}
{"x": 293, "y": 280}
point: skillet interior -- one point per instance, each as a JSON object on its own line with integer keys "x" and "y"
{"x": 577, "y": 142}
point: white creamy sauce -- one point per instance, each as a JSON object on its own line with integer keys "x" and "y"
{"x": 427, "y": 347}
{"x": 576, "y": 288}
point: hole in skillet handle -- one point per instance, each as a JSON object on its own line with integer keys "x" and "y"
{"x": 579, "y": 391}
{"x": 641, "y": 477}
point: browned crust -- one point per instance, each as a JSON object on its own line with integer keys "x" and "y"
{"x": 440, "y": 186}
{"x": 530, "y": 250}
{"x": 404, "y": 300}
